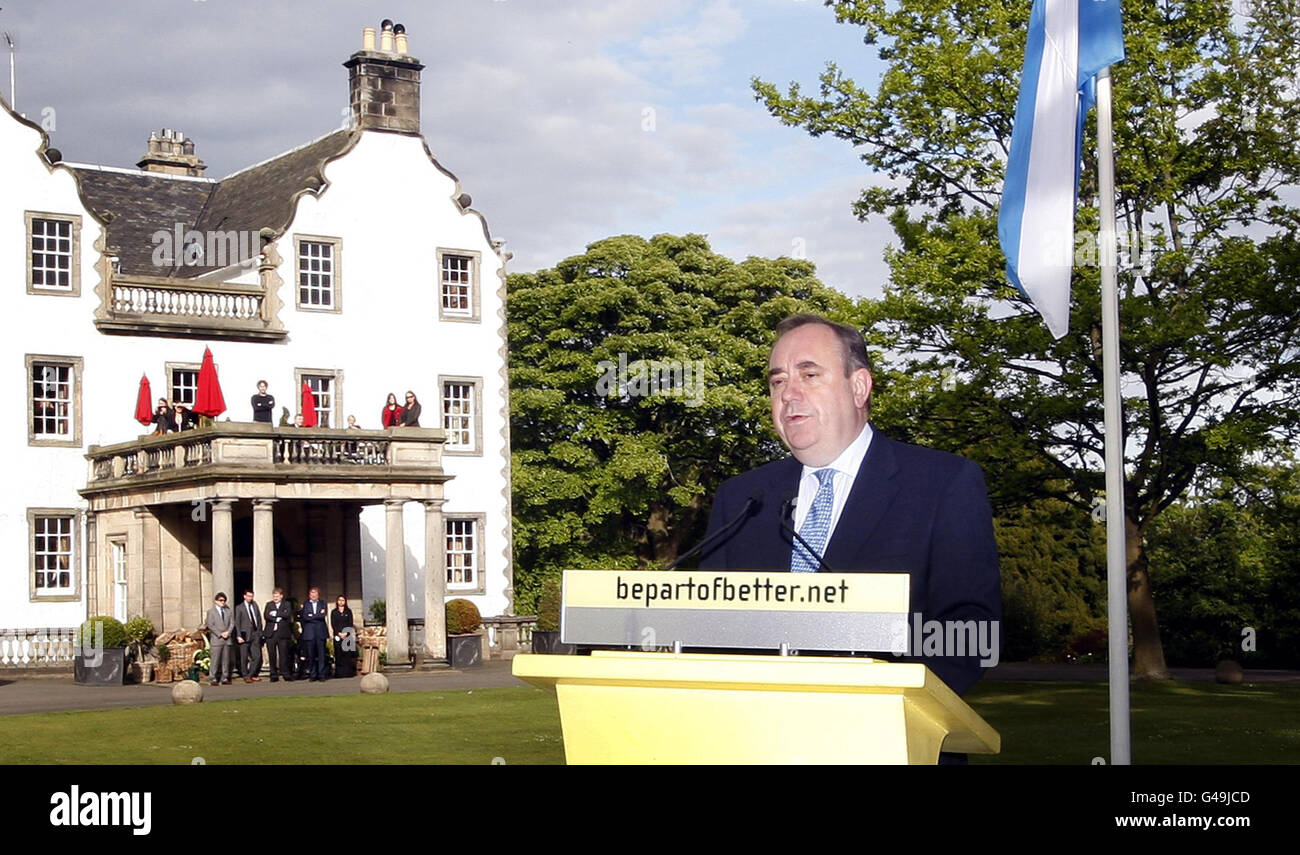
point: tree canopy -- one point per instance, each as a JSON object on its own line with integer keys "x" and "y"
{"x": 638, "y": 384}
{"x": 1206, "y": 119}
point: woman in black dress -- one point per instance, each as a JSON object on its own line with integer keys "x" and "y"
{"x": 411, "y": 412}
{"x": 345, "y": 639}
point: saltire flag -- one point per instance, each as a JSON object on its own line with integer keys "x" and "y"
{"x": 1070, "y": 41}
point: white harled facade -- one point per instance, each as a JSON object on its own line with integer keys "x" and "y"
{"x": 370, "y": 274}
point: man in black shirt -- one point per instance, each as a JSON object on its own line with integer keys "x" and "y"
{"x": 263, "y": 404}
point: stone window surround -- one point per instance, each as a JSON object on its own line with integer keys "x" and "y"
{"x": 76, "y": 363}
{"x": 75, "y": 277}
{"x": 477, "y": 384}
{"x": 338, "y": 414}
{"x": 169, "y": 367}
{"x": 479, "y": 586}
{"x": 475, "y": 278}
{"x": 73, "y": 593}
{"x": 336, "y": 273}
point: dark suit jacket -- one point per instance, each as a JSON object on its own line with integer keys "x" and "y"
{"x": 911, "y": 509}
{"x": 313, "y": 623}
{"x": 245, "y": 626}
{"x": 281, "y": 629}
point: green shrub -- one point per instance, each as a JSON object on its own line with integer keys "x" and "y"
{"x": 462, "y": 617}
{"x": 548, "y": 605}
{"x": 379, "y": 611}
{"x": 114, "y": 633}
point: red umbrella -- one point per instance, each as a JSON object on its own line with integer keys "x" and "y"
{"x": 208, "y": 400}
{"x": 144, "y": 402}
{"x": 308, "y": 406}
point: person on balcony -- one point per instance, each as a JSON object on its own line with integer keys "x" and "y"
{"x": 411, "y": 413}
{"x": 184, "y": 417}
{"x": 164, "y": 418}
{"x": 263, "y": 404}
{"x": 392, "y": 415}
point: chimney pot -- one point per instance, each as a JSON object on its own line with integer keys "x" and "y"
{"x": 386, "y": 40}
{"x": 368, "y": 38}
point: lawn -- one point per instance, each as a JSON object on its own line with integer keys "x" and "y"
{"x": 1058, "y": 723}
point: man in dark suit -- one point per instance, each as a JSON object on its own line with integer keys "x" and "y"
{"x": 279, "y": 632}
{"x": 864, "y": 502}
{"x": 248, "y": 635}
{"x": 313, "y": 634}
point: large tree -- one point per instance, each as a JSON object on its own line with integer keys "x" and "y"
{"x": 638, "y": 383}
{"x": 1206, "y": 123}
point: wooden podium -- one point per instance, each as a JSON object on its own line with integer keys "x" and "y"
{"x": 637, "y": 706}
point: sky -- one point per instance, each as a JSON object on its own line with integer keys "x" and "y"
{"x": 566, "y": 121}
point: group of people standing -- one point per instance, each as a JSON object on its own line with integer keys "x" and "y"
{"x": 244, "y": 628}
{"x": 169, "y": 419}
{"x": 394, "y": 414}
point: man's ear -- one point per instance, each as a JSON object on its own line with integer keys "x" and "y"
{"x": 862, "y": 383}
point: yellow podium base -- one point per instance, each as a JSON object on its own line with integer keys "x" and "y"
{"x": 632, "y": 707}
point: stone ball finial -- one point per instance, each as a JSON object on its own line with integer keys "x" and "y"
{"x": 374, "y": 683}
{"x": 187, "y": 692}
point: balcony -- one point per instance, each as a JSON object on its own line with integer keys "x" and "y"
{"x": 240, "y": 459}
{"x": 163, "y": 306}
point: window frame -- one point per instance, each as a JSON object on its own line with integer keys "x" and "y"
{"x": 77, "y": 364}
{"x": 336, "y": 273}
{"x": 476, "y": 384}
{"x": 74, "y": 273}
{"x": 72, "y": 592}
{"x": 120, "y": 586}
{"x": 472, "y": 315}
{"x": 335, "y": 376}
{"x": 169, "y": 367}
{"x": 479, "y": 552}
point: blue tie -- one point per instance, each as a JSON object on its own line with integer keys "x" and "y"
{"x": 816, "y": 526}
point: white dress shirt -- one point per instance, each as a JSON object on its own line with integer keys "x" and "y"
{"x": 846, "y": 470}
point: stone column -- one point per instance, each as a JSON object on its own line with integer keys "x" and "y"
{"x": 395, "y": 582}
{"x": 263, "y": 549}
{"x": 435, "y": 581}
{"x": 223, "y": 550}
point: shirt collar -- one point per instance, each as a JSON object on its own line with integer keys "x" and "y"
{"x": 850, "y": 458}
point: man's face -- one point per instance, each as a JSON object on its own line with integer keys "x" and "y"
{"x": 817, "y": 410}
{"x": 221, "y": 601}
{"x": 277, "y": 597}
{"x": 248, "y": 596}
{"x": 261, "y": 388}
{"x": 314, "y": 594}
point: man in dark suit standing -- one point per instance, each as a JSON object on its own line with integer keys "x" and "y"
{"x": 864, "y": 502}
{"x": 248, "y": 635}
{"x": 313, "y": 634}
{"x": 279, "y": 632}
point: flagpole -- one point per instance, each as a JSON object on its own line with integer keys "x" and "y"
{"x": 1116, "y": 537}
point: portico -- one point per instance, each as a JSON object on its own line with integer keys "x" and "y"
{"x": 175, "y": 518}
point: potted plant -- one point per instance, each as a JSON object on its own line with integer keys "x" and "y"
{"x": 464, "y": 637}
{"x": 202, "y": 663}
{"x": 100, "y": 656}
{"x": 163, "y": 671}
{"x": 546, "y": 637}
{"x": 140, "y": 634}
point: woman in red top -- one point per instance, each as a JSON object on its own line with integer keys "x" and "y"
{"x": 392, "y": 416}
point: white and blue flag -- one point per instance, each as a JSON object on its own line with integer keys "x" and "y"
{"x": 1069, "y": 42}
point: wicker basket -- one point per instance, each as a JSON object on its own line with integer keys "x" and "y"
{"x": 182, "y": 655}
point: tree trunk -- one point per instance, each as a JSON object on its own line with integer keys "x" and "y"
{"x": 1148, "y": 653}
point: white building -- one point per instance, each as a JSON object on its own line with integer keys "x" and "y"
{"x": 353, "y": 264}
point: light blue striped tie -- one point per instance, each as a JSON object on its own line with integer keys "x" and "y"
{"x": 816, "y": 525}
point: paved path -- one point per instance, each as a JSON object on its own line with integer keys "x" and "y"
{"x": 57, "y": 692}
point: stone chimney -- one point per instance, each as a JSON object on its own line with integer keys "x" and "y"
{"x": 171, "y": 152}
{"x": 384, "y": 84}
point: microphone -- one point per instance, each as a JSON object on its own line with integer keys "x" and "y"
{"x": 787, "y": 511}
{"x": 752, "y": 504}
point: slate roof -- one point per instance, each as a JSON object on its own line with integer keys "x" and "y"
{"x": 261, "y": 196}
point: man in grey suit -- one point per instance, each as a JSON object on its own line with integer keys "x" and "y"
{"x": 248, "y": 635}
{"x": 220, "y": 625}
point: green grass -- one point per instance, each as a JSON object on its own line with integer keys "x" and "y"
{"x": 1061, "y": 723}
{"x": 520, "y": 726}
{"x": 1172, "y": 723}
